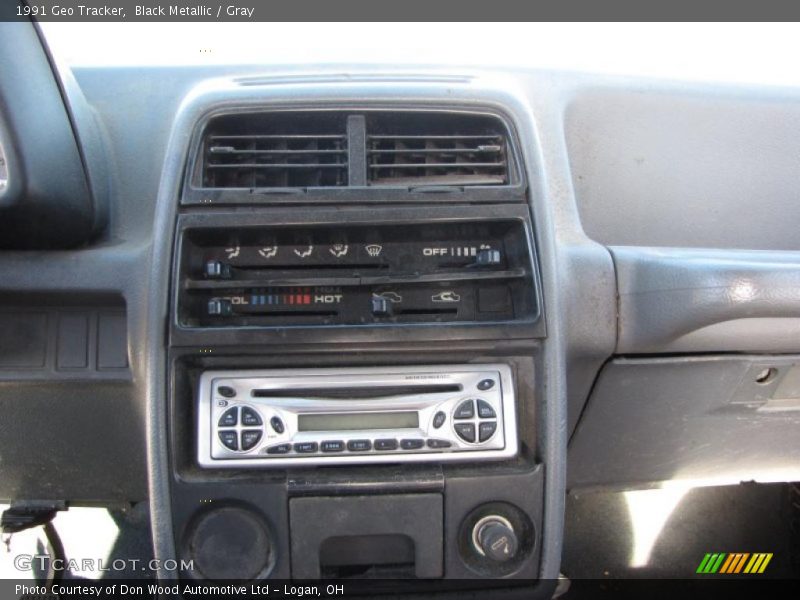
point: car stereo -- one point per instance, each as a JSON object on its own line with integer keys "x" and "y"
{"x": 313, "y": 417}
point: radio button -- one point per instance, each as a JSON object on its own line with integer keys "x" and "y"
{"x": 250, "y": 418}
{"x": 250, "y": 438}
{"x": 277, "y": 424}
{"x": 439, "y": 444}
{"x": 465, "y": 410}
{"x": 359, "y": 445}
{"x": 226, "y": 390}
{"x": 332, "y": 446}
{"x": 305, "y": 447}
{"x": 228, "y": 418}
{"x": 412, "y": 444}
{"x": 466, "y": 431}
{"x": 385, "y": 444}
{"x": 229, "y": 439}
{"x": 485, "y": 410}
{"x": 438, "y": 419}
{"x": 485, "y": 384}
{"x": 486, "y": 430}
{"x": 279, "y": 449}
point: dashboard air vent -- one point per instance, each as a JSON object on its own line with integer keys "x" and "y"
{"x": 416, "y": 149}
{"x": 275, "y": 150}
{"x": 344, "y": 156}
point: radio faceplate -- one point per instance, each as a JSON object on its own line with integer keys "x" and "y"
{"x": 355, "y": 415}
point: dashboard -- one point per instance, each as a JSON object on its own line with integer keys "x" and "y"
{"x": 418, "y": 306}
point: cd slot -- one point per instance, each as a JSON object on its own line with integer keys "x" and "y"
{"x": 355, "y": 393}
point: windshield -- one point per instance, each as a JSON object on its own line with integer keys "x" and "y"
{"x": 735, "y": 53}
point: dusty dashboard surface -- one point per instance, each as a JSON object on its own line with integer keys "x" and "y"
{"x": 401, "y": 292}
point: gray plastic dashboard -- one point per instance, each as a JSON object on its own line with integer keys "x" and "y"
{"x": 666, "y": 224}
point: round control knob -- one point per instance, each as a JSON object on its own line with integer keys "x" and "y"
{"x": 229, "y": 543}
{"x": 494, "y": 538}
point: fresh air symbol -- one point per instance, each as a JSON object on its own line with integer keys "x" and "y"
{"x": 734, "y": 563}
{"x": 374, "y": 250}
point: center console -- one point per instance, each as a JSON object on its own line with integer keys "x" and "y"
{"x": 354, "y": 338}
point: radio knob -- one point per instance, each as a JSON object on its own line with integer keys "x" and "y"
{"x": 494, "y": 537}
{"x": 277, "y": 425}
{"x": 485, "y": 384}
{"x": 226, "y": 390}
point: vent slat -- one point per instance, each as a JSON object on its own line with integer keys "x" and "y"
{"x": 436, "y": 137}
{"x": 439, "y": 180}
{"x": 479, "y": 149}
{"x": 309, "y": 149}
{"x": 279, "y": 166}
{"x": 441, "y": 165}
{"x": 276, "y": 137}
{"x": 217, "y": 150}
{"x": 276, "y": 150}
{"x": 429, "y": 149}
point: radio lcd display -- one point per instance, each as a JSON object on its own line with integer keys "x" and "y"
{"x": 355, "y": 421}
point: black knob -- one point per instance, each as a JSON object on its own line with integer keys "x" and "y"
{"x": 495, "y": 539}
{"x": 485, "y": 384}
{"x": 227, "y": 391}
{"x": 229, "y": 543}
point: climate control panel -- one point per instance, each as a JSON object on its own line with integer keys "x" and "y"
{"x": 461, "y": 271}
